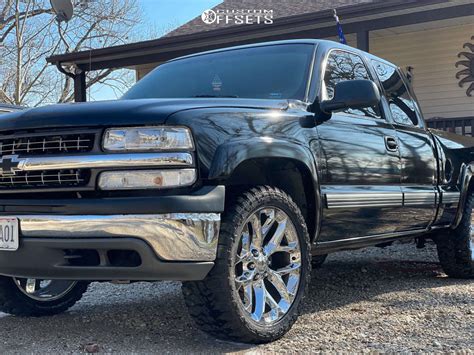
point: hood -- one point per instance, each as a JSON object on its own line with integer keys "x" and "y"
{"x": 121, "y": 112}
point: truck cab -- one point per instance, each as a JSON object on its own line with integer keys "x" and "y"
{"x": 234, "y": 171}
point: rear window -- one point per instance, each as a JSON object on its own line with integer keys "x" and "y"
{"x": 267, "y": 72}
{"x": 402, "y": 105}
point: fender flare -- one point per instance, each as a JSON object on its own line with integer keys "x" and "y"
{"x": 230, "y": 155}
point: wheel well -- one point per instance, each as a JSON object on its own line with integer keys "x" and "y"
{"x": 289, "y": 175}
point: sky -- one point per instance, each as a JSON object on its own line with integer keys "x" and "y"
{"x": 160, "y": 16}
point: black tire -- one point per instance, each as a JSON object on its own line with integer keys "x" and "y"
{"x": 456, "y": 247}
{"x": 213, "y": 302}
{"x": 14, "y": 301}
{"x": 318, "y": 260}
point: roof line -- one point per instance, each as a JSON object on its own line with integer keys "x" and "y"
{"x": 309, "y": 18}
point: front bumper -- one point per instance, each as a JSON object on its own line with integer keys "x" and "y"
{"x": 179, "y": 245}
{"x": 173, "y": 237}
{"x": 47, "y": 259}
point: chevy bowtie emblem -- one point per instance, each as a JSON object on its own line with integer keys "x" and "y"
{"x": 9, "y": 164}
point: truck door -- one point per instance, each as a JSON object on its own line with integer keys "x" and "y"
{"x": 418, "y": 164}
{"x": 360, "y": 174}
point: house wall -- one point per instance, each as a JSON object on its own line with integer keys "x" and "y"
{"x": 141, "y": 71}
{"x": 433, "y": 54}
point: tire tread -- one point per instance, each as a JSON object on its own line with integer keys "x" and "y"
{"x": 454, "y": 249}
{"x": 209, "y": 302}
{"x": 14, "y": 302}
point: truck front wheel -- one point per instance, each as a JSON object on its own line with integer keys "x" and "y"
{"x": 456, "y": 249}
{"x": 35, "y": 297}
{"x": 262, "y": 270}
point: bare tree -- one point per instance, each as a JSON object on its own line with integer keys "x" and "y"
{"x": 29, "y": 33}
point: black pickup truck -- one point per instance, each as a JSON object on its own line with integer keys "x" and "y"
{"x": 233, "y": 171}
{"x": 6, "y": 108}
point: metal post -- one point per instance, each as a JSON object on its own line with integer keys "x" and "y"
{"x": 80, "y": 86}
{"x": 363, "y": 40}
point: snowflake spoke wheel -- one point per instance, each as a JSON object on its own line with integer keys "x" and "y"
{"x": 261, "y": 273}
{"x": 267, "y": 265}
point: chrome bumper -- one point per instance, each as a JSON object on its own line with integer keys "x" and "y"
{"x": 173, "y": 237}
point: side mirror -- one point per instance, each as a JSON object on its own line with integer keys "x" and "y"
{"x": 354, "y": 94}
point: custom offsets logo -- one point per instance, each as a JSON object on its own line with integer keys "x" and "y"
{"x": 237, "y": 17}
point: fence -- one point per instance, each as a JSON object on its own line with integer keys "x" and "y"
{"x": 463, "y": 126}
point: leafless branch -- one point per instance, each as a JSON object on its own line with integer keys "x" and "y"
{"x": 29, "y": 33}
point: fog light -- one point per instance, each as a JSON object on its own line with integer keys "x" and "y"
{"x": 146, "y": 179}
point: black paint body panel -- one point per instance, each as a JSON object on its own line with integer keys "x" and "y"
{"x": 360, "y": 188}
{"x": 208, "y": 199}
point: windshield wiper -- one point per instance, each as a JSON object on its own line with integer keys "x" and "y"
{"x": 225, "y": 96}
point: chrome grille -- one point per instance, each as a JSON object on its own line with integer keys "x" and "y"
{"x": 22, "y": 146}
{"x": 47, "y": 178}
{"x": 47, "y": 144}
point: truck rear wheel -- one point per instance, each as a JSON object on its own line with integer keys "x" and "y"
{"x": 456, "y": 250}
{"x": 262, "y": 270}
{"x": 35, "y": 297}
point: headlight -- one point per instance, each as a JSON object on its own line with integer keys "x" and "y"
{"x": 147, "y": 138}
{"x": 146, "y": 179}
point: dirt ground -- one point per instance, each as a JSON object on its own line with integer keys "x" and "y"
{"x": 395, "y": 299}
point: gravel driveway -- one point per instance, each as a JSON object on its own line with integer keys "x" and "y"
{"x": 392, "y": 299}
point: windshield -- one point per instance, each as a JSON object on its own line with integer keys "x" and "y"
{"x": 267, "y": 72}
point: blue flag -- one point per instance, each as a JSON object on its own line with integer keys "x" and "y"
{"x": 340, "y": 33}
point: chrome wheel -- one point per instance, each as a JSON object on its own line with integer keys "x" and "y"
{"x": 267, "y": 265}
{"x": 44, "y": 290}
{"x": 255, "y": 290}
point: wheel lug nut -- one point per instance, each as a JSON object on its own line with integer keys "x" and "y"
{"x": 255, "y": 252}
{"x": 251, "y": 266}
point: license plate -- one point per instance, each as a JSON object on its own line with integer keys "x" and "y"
{"x": 9, "y": 234}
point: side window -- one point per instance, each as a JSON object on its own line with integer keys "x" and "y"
{"x": 342, "y": 66}
{"x": 401, "y": 104}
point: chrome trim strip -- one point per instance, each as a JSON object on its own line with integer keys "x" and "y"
{"x": 369, "y": 199}
{"x": 173, "y": 237}
{"x": 450, "y": 197}
{"x": 381, "y": 199}
{"x": 420, "y": 198}
{"x": 105, "y": 161}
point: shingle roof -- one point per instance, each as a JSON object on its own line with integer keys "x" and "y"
{"x": 281, "y": 8}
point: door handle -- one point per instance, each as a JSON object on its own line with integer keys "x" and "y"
{"x": 391, "y": 144}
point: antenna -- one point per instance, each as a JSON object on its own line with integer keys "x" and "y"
{"x": 64, "y": 9}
